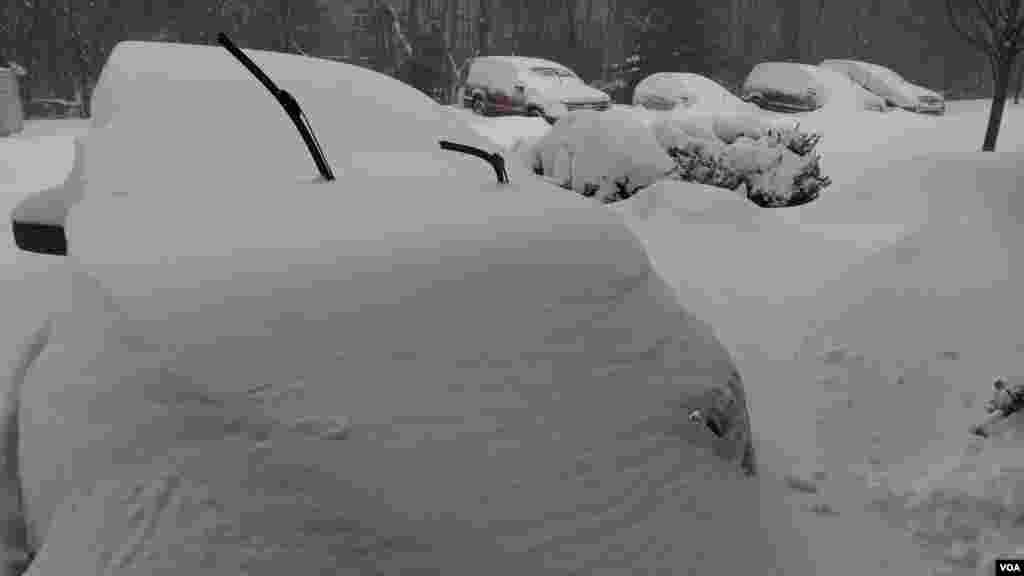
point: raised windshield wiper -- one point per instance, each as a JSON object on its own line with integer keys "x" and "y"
{"x": 287, "y": 101}
{"x": 494, "y": 159}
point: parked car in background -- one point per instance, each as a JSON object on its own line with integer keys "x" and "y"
{"x": 890, "y": 86}
{"x": 671, "y": 90}
{"x": 784, "y": 87}
{"x": 841, "y": 91}
{"x": 497, "y": 85}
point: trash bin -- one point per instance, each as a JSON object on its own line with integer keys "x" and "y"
{"x": 12, "y": 114}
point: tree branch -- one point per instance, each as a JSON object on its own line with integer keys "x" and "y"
{"x": 988, "y": 16}
{"x": 954, "y": 22}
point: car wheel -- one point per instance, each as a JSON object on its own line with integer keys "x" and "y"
{"x": 533, "y": 111}
{"x": 479, "y": 106}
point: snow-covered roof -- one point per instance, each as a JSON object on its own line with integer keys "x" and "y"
{"x": 527, "y": 62}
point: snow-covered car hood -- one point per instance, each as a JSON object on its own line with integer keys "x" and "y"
{"x": 566, "y": 90}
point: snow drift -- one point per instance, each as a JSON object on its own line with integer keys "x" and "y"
{"x": 914, "y": 337}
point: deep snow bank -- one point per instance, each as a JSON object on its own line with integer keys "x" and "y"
{"x": 912, "y": 339}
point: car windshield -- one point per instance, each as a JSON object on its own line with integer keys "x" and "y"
{"x": 550, "y": 72}
{"x": 886, "y": 75}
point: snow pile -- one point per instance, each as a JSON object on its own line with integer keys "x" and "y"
{"x": 911, "y": 340}
{"x": 197, "y": 107}
{"x": 315, "y": 313}
{"x": 773, "y": 165}
{"x": 603, "y": 155}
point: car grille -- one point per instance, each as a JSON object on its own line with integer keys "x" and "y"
{"x": 572, "y": 106}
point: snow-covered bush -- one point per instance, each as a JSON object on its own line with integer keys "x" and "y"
{"x": 773, "y": 164}
{"x": 608, "y": 156}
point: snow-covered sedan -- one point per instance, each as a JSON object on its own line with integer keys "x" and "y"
{"x": 793, "y": 87}
{"x": 672, "y": 90}
{"x": 890, "y": 86}
{"x": 397, "y": 358}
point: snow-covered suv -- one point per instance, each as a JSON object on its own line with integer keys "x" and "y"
{"x": 527, "y": 86}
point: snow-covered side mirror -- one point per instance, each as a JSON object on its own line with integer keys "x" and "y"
{"x": 40, "y": 238}
{"x": 38, "y": 222}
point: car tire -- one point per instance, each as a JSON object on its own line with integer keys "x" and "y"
{"x": 479, "y": 106}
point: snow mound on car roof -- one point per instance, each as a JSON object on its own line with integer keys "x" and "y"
{"x": 195, "y": 111}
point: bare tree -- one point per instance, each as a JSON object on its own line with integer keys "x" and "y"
{"x": 484, "y": 27}
{"x": 993, "y": 27}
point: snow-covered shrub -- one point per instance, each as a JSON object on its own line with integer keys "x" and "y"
{"x": 774, "y": 165}
{"x": 604, "y": 155}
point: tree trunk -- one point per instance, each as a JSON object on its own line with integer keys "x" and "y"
{"x": 1002, "y": 67}
{"x": 1020, "y": 83}
{"x": 484, "y": 28}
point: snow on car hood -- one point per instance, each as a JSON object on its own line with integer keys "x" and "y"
{"x": 565, "y": 90}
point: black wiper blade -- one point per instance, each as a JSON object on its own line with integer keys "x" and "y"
{"x": 492, "y": 158}
{"x": 287, "y": 101}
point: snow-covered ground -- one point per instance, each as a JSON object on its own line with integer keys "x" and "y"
{"x": 868, "y": 325}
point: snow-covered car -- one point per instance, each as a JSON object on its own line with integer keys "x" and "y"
{"x": 796, "y": 87}
{"x": 842, "y": 92}
{"x": 526, "y": 86}
{"x": 671, "y": 90}
{"x": 890, "y": 86}
{"x": 784, "y": 87}
{"x": 400, "y": 365}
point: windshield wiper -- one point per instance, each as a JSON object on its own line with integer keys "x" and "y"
{"x": 287, "y": 101}
{"x": 492, "y": 158}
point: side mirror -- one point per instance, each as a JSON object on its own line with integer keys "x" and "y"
{"x": 37, "y": 222}
{"x": 40, "y": 238}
